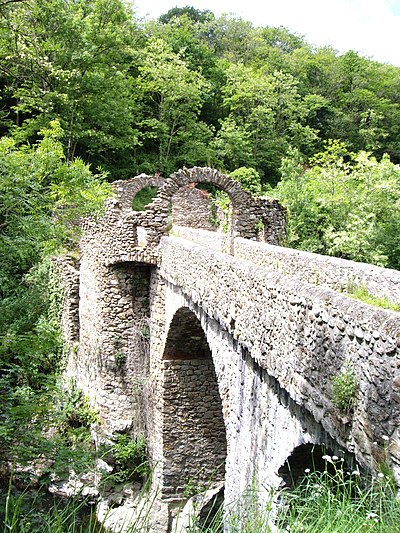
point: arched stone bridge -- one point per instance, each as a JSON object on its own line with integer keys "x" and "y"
{"x": 221, "y": 347}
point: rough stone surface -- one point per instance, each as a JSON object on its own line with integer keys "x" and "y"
{"x": 222, "y": 349}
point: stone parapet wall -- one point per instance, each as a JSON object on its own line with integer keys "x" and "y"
{"x": 302, "y": 335}
{"x": 215, "y": 240}
{"x": 324, "y": 271}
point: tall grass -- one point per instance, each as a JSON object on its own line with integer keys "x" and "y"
{"x": 340, "y": 502}
{"x": 333, "y": 501}
{"x": 27, "y": 513}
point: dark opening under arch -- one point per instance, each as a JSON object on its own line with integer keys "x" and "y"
{"x": 194, "y": 436}
{"x": 311, "y": 458}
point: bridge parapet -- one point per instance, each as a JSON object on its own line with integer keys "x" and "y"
{"x": 341, "y": 275}
{"x": 302, "y": 335}
{"x": 338, "y": 274}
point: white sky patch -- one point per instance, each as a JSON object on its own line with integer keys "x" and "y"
{"x": 371, "y": 27}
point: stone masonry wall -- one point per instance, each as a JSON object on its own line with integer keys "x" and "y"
{"x": 192, "y": 207}
{"x": 69, "y": 275}
{"x": 338, "y": 274}
{"x": 112, "y": 361}
{"x": 194, "y": 442}
{"x": 302, "y": 335}
{"x": 319, "y": 270}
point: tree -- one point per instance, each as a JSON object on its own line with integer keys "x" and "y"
{"x": 170, "y": 96}
{"x": 195, "y": 15}
{"x": 69, "y": 60}
{"x": 345, "y": 204}
{"x": 269, "y": 115}
{"x": 42, "y": 197}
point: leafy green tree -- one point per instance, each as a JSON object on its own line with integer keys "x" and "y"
{"x": 195, "y": 15}
{"x": 170, "y": 97}
{"x": 346, "y": 204}
{"x": 70, "y": 60}
{"x": 249, "y": 179}
{"x": 42, "y": 197}
{"x": 269, "y": 115}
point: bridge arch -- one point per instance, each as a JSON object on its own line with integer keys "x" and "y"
{"x": 193, "y": 429}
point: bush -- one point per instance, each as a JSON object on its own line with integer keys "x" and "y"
{"x": 344, "y": 389}
{"x": 344, "y": 204}
{"x": 130, "y": 456}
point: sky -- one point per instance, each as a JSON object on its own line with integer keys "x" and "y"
{"x": 371, "y": 27}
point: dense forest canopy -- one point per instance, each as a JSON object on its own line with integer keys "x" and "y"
{"x": 189, "y": 88}
{"x": 89, "y": 93}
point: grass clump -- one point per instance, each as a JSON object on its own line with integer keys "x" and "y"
{"x": 360, "y": 292}
{"x": 344, "y": 388}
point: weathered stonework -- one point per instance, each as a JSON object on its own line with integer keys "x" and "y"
{"x": 222, "y": 349}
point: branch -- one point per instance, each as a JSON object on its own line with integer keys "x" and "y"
{"x": 5, "y": 2}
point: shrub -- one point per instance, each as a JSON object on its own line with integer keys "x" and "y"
{"x": 344, "y": 388}
{"x": 130, "y": 456}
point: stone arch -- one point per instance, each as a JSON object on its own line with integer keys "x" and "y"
{"x": 186, "y": 339}
{"x": 243, "y": 204}
{"x": 193, "y": 429}
{"x": 127, "y": 190}
{"x": 248, "y": 214}
{"x": 312, "y": 458}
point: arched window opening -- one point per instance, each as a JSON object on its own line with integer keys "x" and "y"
{"x": 144, "y": 197}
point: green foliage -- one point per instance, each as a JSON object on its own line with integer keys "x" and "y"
{"x": 344, "y": 388}
{"x": 249, "y": 179}
{"x": 68, "y": 60}
{"x": 120, "y": 359}
{"x": 144, "y": 197}
{"x": 345, "y": 204}
{"x": 74, "y": 408}
{"x": 130, "y": 456}
{"x": 221, "y": 210}
{"x": 43, "y": 197}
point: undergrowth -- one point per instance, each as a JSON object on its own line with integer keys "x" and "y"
{"x": 341, "y": 502}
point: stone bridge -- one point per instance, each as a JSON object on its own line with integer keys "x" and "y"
{"x": 221, "y": 346}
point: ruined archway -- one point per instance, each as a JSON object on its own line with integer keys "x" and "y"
{"x": 193, "y": 430}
